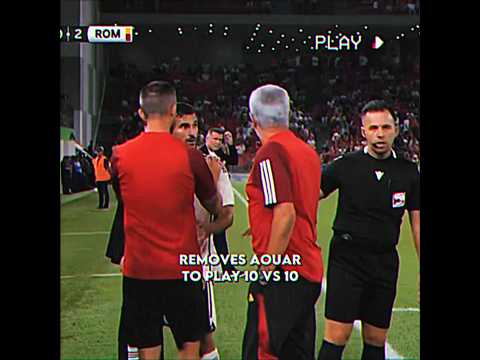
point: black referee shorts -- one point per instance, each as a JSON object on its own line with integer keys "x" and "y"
{"x": 281, "y": 321}
{"x": 147, "y": 302}
{"x": 361, "y": 283}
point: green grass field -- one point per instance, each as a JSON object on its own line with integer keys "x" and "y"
{"x": 90, "y": 305}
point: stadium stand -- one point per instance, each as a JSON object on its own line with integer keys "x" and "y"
{"x": 327, "y": 94}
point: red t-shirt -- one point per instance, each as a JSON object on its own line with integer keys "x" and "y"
{"x": 287, "y": 170}
{"x": 158, "y": 176}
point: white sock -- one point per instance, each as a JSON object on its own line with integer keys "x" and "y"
{"x": 212, "y": 355}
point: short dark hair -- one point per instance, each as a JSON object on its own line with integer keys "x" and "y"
{"x": 184, "y": 108}
{"x": 157, "y": 97}
{"x": 217, "y": 130}
{"x": 378, "y": 105}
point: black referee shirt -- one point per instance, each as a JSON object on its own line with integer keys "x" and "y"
{"x": 373, "y": 195}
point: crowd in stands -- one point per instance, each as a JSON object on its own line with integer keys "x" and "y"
{"x": 77, "y": 173}
{"x": 366, "y": 7}
{"x": 327, "y": 93}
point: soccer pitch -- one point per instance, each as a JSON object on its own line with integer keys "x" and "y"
{"x": 91, "y": 287}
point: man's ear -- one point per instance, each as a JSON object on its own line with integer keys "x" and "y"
{"x": 362, "y": 129}
{"x": 397, "y": 129}
{"x": 142, "y": 115}
{"x": 173, "y": 109}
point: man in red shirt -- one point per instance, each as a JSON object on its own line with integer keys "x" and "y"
{"x": 283, "y": 191}
{"x": 158, "y": 176}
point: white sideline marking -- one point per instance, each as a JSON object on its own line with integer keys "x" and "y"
{"x": 406, "y": 310}
{"x": 92, "y": 275}
{"x": 240, "y": 196}
{"x": 85, "y": 233}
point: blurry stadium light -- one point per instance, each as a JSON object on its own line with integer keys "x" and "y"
{"x": 211, "y": 25}
{"x": 270, "y": 31}
{"x": 136, "y": 33}
{"x": 149, "y": 30}
{"x": 226, "y": 27}
{"x": 398, "y": 37}
{"x": 402, "y": 34}
{"x": 297, "y": 50}
{"x": 210, "y": 31}
{"x": 273, "y": 49}
{"x": 340, "y": 34}
{"x": 259, "y": 51}
{"x": 254, "y": 34}
{"x": 195, "y": 28}
{"x": 412, "y": 29}
{"x": 418, "y": 26}
{"x": 262, "y": 45}
{"x": 258, "y": 25}
{"x": 293, "y": 39}
{"x": 365, "y": 27}
{"x": 251, "y": 39}
{"x": 300, "y": 30}
{"x": 282, "y": 36}
{"x": 304, "y": 41}
{"x": 311, "y": 47}
{"x": 329, "y": 31}
{"x": 336, "y": 26}
{"x": 278, "y": 41}
{"x": 309, "y": 36}
{"x": 286, "y": 46}
{"x": 358, "y": 33}
{"x": 225, "y": 34}
{"x": 247, "y": 47}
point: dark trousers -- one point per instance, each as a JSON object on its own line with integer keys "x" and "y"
{"x": 103, "y": 197}
{"x": 221, "y": 245}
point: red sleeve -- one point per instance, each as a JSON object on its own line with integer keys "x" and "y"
{"x": 273, "y": 175}
{"x": 114, "y": 161}
{"x": 205, "y": 187}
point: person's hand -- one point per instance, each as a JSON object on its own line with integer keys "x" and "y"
{"x": 228, "y": 137}
{"x": 122, "y": 261}
{"x": 247, "y": 233}
{"x": 215, "y": 165}
{"x": 202, "y": 232}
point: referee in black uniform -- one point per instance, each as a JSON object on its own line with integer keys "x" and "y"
{"x": 375, "y": 188}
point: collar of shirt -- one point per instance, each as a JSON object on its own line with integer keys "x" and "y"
{"x": 394, "y": 154}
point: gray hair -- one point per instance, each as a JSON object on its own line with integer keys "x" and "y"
{"x": 270, "y": 105}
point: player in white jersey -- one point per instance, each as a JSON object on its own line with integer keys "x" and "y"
{"x": 186, "y": 129}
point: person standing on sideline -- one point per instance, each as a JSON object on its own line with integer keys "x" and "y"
{"x": 159, "y": 226}
{"x": 102, "y": 177}
{"x": 375, "y": 188}
{"x": 220, "y": 143}
{"x": 186, "y": 129}
{"x": 283, "y": 189}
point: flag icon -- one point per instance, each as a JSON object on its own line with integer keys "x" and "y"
{"x": 128, "y": 34}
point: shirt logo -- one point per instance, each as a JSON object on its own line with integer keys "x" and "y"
{"x": 398, "y": 200}
{"x": 379, "y": 174}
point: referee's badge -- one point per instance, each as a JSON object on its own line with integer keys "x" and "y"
{"x": 398, "y": 200}
{"x": 250, "y": 298}
{"x": 379, "y": 174}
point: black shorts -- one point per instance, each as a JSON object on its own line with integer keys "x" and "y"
{"x": 361, "y": 284}
{"x": 147, "y": 302}
{"x": 281, "y": 320}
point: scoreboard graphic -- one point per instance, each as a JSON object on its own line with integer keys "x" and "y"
{"x": 97, "y": 34}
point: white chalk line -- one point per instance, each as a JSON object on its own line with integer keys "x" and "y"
{"x": 63, "y": 277}
{"x": 85, "y": 233}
